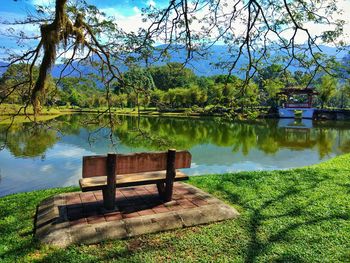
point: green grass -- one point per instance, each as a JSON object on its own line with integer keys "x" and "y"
{"x": 15, "y": 109}
{"x": 149, "y": 111}
{"x": 7, "y": 119}
{"x": 299, "y": 215}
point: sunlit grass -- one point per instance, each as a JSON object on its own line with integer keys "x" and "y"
{"x": 15, "y": 109}
{"x": 8, "y": 119}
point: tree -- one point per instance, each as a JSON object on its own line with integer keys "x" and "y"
{"x": 80, "y": 92}
{"x": 344, "y": 94}
{"x": 272, "y": 87}
{"x": 172, "y": 75}
{"x": 75, "y": 28}
{"x": 140, "y": 81}
{"x": 13, "y": 86}
{"x": 326, "y": 89}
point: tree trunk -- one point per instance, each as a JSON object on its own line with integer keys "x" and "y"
{"x": 50, "y": 37}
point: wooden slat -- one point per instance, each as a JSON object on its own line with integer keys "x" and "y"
{"x": 97, "y": 183}
{"x": 134, "y": 163}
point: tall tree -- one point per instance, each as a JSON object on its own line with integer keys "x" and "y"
{"x": 172, "y": 75}
{"x": 140, "y": 82}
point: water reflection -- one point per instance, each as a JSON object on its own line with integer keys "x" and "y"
{"x": 38, "y": 157}
{"x": 27, "y": 140}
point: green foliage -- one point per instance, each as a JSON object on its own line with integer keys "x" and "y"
{"x": 172, "y": 75}
{"x": 80, "y": 92}
{"x": 16, "y": 85}
{"x": 25, "y": 140}
{"x": 326, "y": 89}
{"x": 272, "y": 87}
{"x": 172, "y": 87}
{"x": 139, "y": 83}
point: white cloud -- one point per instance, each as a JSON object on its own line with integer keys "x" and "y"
{"x": 46, "y": 168}
{"x": 128, "y": 23}
{"x": 151, "y": 3}
{"x": 317, "y": 29}
{"x": 136, "y": 10}
{"x": 66, "y": 152}
{"x": 43, "y": 2}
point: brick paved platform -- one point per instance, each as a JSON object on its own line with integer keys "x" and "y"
{"x": 79, "y": 217}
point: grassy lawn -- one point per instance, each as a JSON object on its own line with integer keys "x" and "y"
{"x": 300, "y": 215}
{"x": 11, "y": 109}
{"x": 7, "y": 119}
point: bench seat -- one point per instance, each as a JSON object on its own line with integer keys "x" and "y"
{"x": 125, "y": 180}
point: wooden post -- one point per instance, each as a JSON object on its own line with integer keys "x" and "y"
{"x": 170, "y": 175}
{"x": 161, "y": 189}
{"x": 109, "y": 190}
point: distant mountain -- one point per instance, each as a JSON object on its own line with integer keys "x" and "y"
{"x": 3, "y": 67}
{"x": 202, "y": 65}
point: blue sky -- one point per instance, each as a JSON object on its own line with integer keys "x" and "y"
{"x": 127, "y": 14}
{"x": 10, "y": 8}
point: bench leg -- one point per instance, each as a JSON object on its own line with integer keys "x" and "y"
{"x": 108, "y": 198}
{"x": 109, "y": 189}
{"x": 170, "y": 175}
{"x": 165, "y": 191}
{"x": 168, "y": 191}
{"x": 161, "y": 189}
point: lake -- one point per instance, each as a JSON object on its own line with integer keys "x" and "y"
{"x": 50, "y": 154}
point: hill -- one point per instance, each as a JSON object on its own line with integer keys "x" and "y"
{"x": 201, "y": 64}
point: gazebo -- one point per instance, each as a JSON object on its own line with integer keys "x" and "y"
{"x": 298, "y": 103}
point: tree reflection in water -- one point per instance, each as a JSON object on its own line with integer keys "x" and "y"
{"x": 160, "y": 133}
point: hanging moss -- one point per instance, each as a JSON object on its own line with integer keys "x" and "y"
{"x": 51, "y": 36}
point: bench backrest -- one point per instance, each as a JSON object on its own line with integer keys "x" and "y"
{"x": 134, "y": 163}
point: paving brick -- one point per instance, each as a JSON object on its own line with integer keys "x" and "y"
{"x": 152, "y": 190}
{"x": 181, "y": 192}
{"x": 74, "y": 213}
{"x": 145, "y": 212}
{"x": 130, "y": 215}
{"x": 98, "y": 195}
{"x": 141, "y": 191}
{"x": 96, "y": 219}
{"x": 113, "y": 216}
{"x": 176, "y": 207}
{"x": 199, "y": 202}
{"x": 74, "y": 206}
{"x": 79, "y": 221}
{"x": 177, "y": 197}
{"x": 128, "y": 192}
{"x": 73, "y": 199}
{"x": 160, "y": 210}
{"x": 87, "y": 197}
{"x": 186, "y": 203}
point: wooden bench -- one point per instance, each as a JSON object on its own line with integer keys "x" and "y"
{"x": 106, "y": 173}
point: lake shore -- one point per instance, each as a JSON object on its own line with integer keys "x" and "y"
{"x": 291, "y": 215}
{"x": 9, "y": 110}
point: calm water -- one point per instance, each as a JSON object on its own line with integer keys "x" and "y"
{"x": 37, "y": 157}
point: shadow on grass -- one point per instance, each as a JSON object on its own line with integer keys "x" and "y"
{"x": 275, "y": 202}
